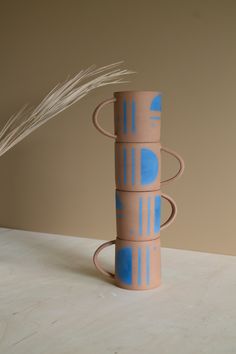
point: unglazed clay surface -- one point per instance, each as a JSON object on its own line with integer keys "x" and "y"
{"x": 137, "y": 264}
{"x": 138, "y": 215}
{"x": 137, "y": 116}
{"x": 137, "y": 119}
{"x": 137, "y": 166}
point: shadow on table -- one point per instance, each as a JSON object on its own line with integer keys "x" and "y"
{"x": 64, "y": 254}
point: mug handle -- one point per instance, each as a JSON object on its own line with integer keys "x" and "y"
{"x": 95, "y": 118}
{"x": 173, "y": 214}
{"x": 181, "y": 165}
{"x": 95, "y": 258}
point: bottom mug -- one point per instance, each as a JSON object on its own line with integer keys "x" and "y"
{"x": 137, "y": 263}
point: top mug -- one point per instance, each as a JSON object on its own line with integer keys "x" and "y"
{"x": 137, "y": 116}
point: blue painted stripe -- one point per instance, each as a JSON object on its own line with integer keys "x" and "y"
{"x": 149, "y": 216}
{"x": 133, "y": 116}
{"x": 119, "y": 204}
{"x": 157, "y": 214}
{"x": 116, "y": 166}
{"x": 139, "y": 266}
{"x": 140, "y": 216}
{"x": 133, "y": 164}
{"x": 123, "y": 265}
{"x": 148, "y": 265}
{"x": 124, "y": 164}
{"x": 125, "y": 116}
{"x": 155, "y": 118}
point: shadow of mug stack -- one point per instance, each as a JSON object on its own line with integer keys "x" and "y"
{"x": 137, "y": 122}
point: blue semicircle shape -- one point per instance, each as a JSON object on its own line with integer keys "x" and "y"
{"x": 156, "y": 104}
{"x": 149, "y": 166}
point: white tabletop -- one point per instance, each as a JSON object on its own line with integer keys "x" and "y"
{"x": 53, "y": 301}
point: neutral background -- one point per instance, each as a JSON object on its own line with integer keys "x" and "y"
{"x": 60, "y": 179}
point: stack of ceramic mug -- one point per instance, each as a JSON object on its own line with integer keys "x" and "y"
{"x": 137, "y": 118}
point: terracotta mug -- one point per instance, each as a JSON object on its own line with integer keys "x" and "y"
{"x": 138, "y": 215}
{"x": 137, "y": 116}
{"x": 137, "y": 264}
{"x": 138, "y": 166}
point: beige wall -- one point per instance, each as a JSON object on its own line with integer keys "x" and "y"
{"x": 61, "y": 178}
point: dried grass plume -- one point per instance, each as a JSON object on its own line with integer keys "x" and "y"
{"x": 61, "y": 97}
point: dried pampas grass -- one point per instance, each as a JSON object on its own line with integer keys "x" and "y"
{"x": 61, "y": 97}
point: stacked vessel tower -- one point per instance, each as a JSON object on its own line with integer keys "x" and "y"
{"x": 138, "y": 195}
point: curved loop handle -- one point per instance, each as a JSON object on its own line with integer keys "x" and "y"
{"x": 173, "y": 214}
{"x": 95, "y": 118}
{"x": 95, "y": 258}
{"x": 181, "y": 165}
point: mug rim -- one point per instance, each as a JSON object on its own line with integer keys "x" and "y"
{"x": 138, "y": 91}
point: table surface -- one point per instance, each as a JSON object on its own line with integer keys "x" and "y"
{"x": 52, "y": 300}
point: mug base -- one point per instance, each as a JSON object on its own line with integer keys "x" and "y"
{"x": 137, "y": 288}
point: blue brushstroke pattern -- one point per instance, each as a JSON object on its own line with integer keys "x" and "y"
{"x": 155, "y": 118}
{"x": 133, "y": 116}
{"x": 119, "y": 205}
{"x": 149, "y": 166}
{"x": 125, "y": 116}
{"x": 124, "y": 265}
{"x": 157, "y": 213}
{"x": 140, "y": 216}
{"x": 124, "y": 164}
{"x": 139, "y": 266}
{"x": 149, "y": 216}
{"x": 156, "y": 104}
{"x": 116, "y": 166}
{"x": 133, "y": 165}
